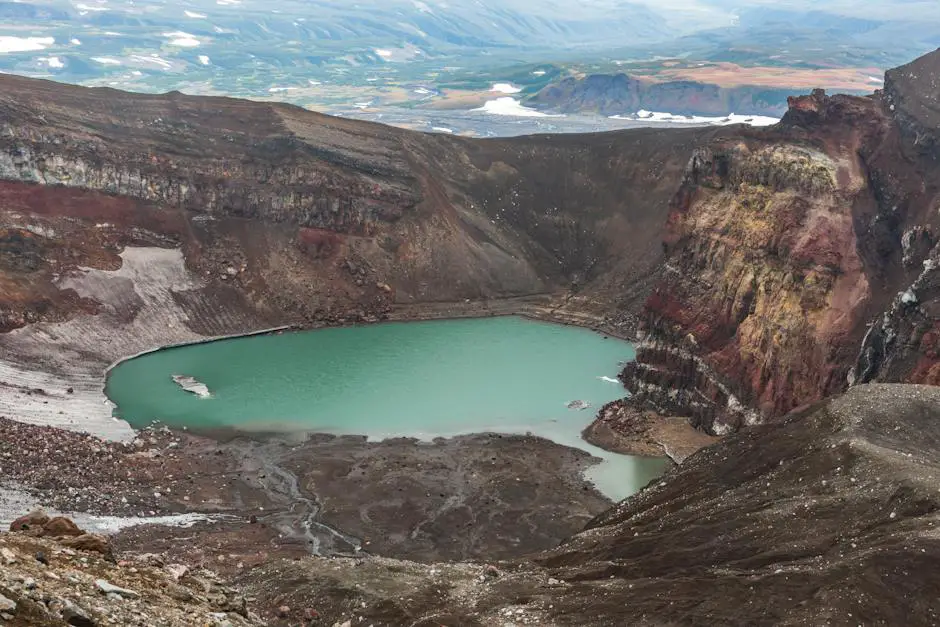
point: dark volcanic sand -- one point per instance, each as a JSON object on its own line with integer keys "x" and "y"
{"x": 459, "y": 498}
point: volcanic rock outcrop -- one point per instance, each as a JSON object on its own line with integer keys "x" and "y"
{"x": 801, "y": 260}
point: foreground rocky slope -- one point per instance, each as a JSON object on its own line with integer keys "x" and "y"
{"x": 52, "y": 576}
{"x": 829, "y": 517}
{"x": 801, "y": 260}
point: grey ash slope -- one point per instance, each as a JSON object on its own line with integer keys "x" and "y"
{"x": 830, "y": 517}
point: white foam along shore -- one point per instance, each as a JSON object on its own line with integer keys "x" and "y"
{"x": 733, "y": 118}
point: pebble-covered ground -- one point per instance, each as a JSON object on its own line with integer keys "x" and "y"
{"x": 51, "y": 579}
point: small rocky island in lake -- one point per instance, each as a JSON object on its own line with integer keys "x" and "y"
{"x": 579, "y": 405}
{"x": 192, "y": 386}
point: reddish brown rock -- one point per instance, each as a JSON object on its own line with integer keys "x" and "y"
{"x": 60, "y": 526}
{"x": 801, "y": 261}
{"x": 92, "y": 542}
{"x": 30, "y": 522}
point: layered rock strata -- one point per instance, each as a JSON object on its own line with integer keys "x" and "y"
{"x": 129, "y": 222}
{"x": 801, "y": 261}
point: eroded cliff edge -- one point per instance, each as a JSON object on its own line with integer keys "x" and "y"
{"x": 800, "y": 260}
{"x": 130, "y": 221}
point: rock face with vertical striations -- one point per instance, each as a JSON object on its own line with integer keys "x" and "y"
{"x": 800, "y": 260}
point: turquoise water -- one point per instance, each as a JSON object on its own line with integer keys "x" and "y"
{"x": 416, "y": 379}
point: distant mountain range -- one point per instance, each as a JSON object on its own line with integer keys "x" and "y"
{"x": 406, "y": 52}
{"x": 620, "y": 94}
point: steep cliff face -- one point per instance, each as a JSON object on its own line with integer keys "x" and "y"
{"x": 788, "y": 250}
{"x": 903, "y": 342}
{"x": 345, "y": 205}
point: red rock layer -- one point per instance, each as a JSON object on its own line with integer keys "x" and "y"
{"x": 800, "y": 261}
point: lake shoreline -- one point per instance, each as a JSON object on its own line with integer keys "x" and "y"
{"x": 327, "y": 494}
{"x": 563, "y": 371}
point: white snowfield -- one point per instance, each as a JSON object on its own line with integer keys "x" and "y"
{"x": 182, "y": 40}
{"x": 9, "y": 43}
{"x": 505, "y": 88}
{"x": 507, "y": 105}
{"x": 732, "y": 118}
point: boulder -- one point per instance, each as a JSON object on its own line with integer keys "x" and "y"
{"x": 89, "y": 542}
{"x": 31, "y": 521}
{"x": 60, "y": 526}
{"x": 108, "y": 588}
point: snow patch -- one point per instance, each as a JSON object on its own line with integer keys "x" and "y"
{"x": 194, "y": 15}
{"x": 510, "y": 106}
{"x": 75, "y": 42}
{"x": 53, "y": 62}
{"x": 385, "y": 54}
{"x": 182, "y": 40}
{"x": 9, "y": 43}
{"x": 442, "y": 129}
{"x": 115, "y": 524}
{"x": 106, "y": 60}
{"x": 733, "y": 118}
{"x": 204, "y": 59}
{"x": 505, "y": 88}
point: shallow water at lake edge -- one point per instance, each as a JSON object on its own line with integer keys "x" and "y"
{"x": 414, "y": 379}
